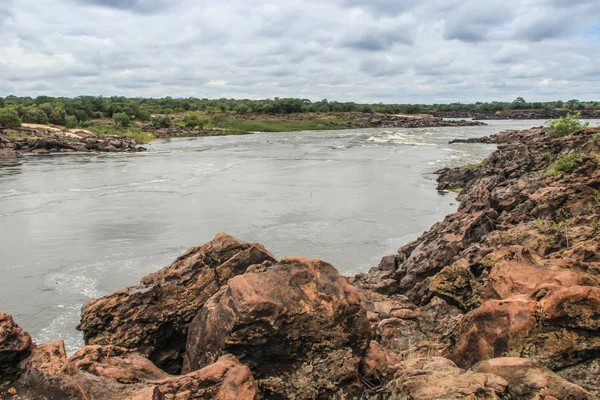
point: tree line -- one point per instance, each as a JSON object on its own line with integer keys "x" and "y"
{"x": 79, "y": 111}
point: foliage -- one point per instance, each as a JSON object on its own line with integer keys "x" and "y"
{"x": 85, "y": 108}
{"x": 564, "y": 164}
{"x": 133, "y": 132}
{"x": 475, "y": 167}
{"x": 162, "y": 122}
{"x": 71, "y": 122}
{"x": 9, "y": 118}
{"x": 36, "y": 116}
{"x": 192, "y": 121}
{"x": 564, "y": 126}
{"x": 121, "y": 120}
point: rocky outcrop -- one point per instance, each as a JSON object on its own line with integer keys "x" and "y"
{"x": 518, "y": 260}
{"x": 15, "y": 345}
{"x": 115, "y": 373}
{"x": 516, "y": 114}
{"x": 298, "y": 325}
{"x": 44, "y": 139}
{"x": 154, "y": 317}
{"x": 529, "y": 381}
{"x": 439, "y": 378}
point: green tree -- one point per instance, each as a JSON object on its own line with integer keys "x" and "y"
{"x": 121, "y": 120}
{"x": 71, "y": 121}
{"x": 9, "y": 118}
{"x": 35, "y": 117}
{"x": 57, "y": 116}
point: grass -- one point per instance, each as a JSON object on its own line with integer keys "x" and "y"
{"x": 564, "y": 164}
{"x": 275, "y": 125}
{"x": 133, "y": 132}
{"x": 475, "y": 167}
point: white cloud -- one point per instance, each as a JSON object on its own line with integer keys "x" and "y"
{"x": 358, "y": 50}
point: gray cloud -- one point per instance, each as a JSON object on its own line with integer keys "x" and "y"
{"x": 141, "y": 6}
{"x": 385, "y": 50}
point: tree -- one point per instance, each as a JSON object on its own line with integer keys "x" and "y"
{"x": 564, "y": 126}
{"x": 9, "y": 118}
{"x": 57, "y": 116}
{"x": 121, "y": 120}
{"x": 35, "y": 117}
{"x": 71, "y": 122}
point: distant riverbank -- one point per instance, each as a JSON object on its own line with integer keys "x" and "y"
{"x": 106, "y": 136}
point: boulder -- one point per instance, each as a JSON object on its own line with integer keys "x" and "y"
{"x": 530, "y": 381}
{"x": 108, "y": 373}
{"x": 153, "y": 317}
{"x": 438, "y": 378}
{"x": 298, "y": 325}
{"x": 15, "y": 344}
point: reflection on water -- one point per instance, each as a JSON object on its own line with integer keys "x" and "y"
{"x": 79, "y": 226}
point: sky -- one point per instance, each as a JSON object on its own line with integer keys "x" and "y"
{"x": 391, "y": 51}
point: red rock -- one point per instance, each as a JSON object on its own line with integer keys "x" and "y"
{"x": 497, "y": 328}
{"x": 298, "y": 325}
{"x": 108, "y": 373}
{"x": 15, "y": 344}
{"x": 439, "y": 378}
{"x": 529, "y": 381}
{"x": 153, "y": 317}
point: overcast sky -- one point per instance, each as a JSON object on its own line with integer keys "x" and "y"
{"x": 405, "y": 51}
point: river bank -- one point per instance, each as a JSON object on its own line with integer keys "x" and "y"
{"x": 517, "y": 114}
{"x": 498, "y": 301}
{"x": 45, "y": 139}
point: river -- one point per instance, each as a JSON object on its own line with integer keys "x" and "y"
{"x": 74, "y": 227}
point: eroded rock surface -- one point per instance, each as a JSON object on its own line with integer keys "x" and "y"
{"x": 298, "y": 325}
{"x": 154, "y": 316}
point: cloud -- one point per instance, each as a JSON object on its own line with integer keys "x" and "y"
{"x": 140, "y": 6}
{"x": 347, "y": 50}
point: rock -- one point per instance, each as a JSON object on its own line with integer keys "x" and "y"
{"x": 107, "y": 373}
{"x": 15, "y": 344}
{"x": 497, "y": 328}
{"x": 154, "y": 316}
{"x": 439, "y": 378}
{"x": 298, "y": 325}
{"x": 530, "y": 381}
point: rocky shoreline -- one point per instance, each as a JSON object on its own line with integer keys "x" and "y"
{"x": 46, "y": 139}
{"x": 516, "y": 114}
{"x": 500, "y": 300}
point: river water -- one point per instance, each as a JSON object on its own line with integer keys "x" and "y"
{"x": 74, "y": 227}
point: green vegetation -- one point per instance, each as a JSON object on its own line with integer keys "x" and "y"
{"x": 86, "y": 108}
{"x": 475, "y": 167}
{"x": 564, "y": 126}
{"x": 564, "y": 164}
{"x": 132, "y": 131}
{"x": 71, "y": 121}
{"x": 9, "y": 118}
{"x": 121, "y": 120}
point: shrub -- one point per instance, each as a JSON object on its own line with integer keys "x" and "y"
{"x": 162, "y": 122}
{"x": 121, "y": 120}
{"x": 564, "y": 126}
{"x": 564, "y": 164}
{"x": 192, "y": 121}
{"x": 9, "y": 118}
{"x": 71, "y": 122}
{"x": 35, "y": 117}
{"x": 57, "y": 116}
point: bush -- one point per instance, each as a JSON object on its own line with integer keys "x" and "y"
{"x": 9, "y": 118}
{"x": 71, "y": 122}
{"x": 121, "y": 120}
{"x": 564, "y": 164}
{"x": 57, "y": 116}
{"x": 192, "y": 121}
{"x": 566, "y": 125}
{"x": 35, "y": 117}
{"x": 162, "y": 122}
